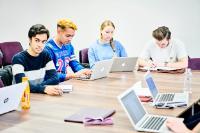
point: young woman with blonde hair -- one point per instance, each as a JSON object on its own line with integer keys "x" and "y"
{"x": 105, "y": 47}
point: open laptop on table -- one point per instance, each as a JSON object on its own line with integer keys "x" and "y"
{"x": 123, "y": 64}
{"x": 139, "y": 118}
{"x": 165, "y": 100}
{"x": 10, "y": 97}
{"x": 100, "y": 69}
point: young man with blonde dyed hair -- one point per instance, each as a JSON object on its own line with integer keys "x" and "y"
{"x": 62, "y": 51}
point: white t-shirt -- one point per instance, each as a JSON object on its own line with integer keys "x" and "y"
{"x": 172, "y": 53}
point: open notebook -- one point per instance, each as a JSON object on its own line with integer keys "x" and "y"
{"x": 79, "y": 116}
{"x": 158, "y": 68}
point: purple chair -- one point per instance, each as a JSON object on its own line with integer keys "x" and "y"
{"x": 83, "y": 57}
{"x": 9, "y": 49}
{"x": 1, "y": 59}
{"x": 194, "y": 63}
{"x": 1, "y": 83}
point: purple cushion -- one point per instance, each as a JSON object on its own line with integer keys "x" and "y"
{"x": 1, "y": 83}
{"x": 1, "y": 58}
{"x": 194, "y": 63}
{"x": 9, "y": 49}
{"x": 83, "y": 56}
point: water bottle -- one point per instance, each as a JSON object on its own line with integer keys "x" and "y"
{"x": 25, "y": 100}
{"x": 188, "y": 81}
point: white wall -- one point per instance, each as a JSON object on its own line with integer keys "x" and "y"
{"x": 134, "y": 20}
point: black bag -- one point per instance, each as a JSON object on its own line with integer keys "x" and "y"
{"x": 6, "y": 75}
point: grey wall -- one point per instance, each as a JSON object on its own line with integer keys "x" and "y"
{"x": 134, "y": 20}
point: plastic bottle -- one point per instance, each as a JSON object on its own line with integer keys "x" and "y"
{"x": 25, "y": 101}
{"x": 188, "y": 81}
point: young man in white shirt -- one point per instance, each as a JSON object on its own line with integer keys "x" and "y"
{"x": 164, "y": 51}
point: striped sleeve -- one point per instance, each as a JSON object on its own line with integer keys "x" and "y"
{"x": 51, "y": 77}
{"x": 18, "y": 73}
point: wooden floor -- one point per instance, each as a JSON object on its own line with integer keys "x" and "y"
{"x": 47, "y": 113}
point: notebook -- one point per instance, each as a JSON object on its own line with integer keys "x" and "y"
{"x": 143, "y": 93}
{"x": 95, "y": 113}
{"x": 66, "y": 88}
{"x": 139, "y": 118}
{"x": 100, "y": 69}
{"x": 163, "y": 100}
{"x": 10, "y": 97}
{"x": 158, "y": 68}
{"x": 123, "y": 64}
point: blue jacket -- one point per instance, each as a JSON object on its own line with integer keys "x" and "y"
{"x": 63, "y": 57}
{"x": 98, "y": 52}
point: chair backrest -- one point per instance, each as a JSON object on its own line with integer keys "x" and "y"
{"x": 194, "y": 63}
{"x": 1, "y": 59}
{"x": 1, "y": 83}
{"x": 9, "y": 49}
{"x": 83, "y": 56}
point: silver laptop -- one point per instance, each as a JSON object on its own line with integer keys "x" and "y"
{"x": 10, "y": 97}
{"x": 165, "y": 99}
{"x": 100, "y": 69}
{"x": 140, "y": 119}
{"x": 123, "y": 64}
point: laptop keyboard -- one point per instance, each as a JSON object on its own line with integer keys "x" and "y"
{"x": 165, "y": 97}
{"x": 153, "y": 122}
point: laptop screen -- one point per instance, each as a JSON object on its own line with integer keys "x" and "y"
{"x": 133, "y": 106}
{"x": 123, "y": 64}
{"x": 151, "y": 85}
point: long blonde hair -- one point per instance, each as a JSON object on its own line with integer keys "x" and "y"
{"x": 105, "y": 24}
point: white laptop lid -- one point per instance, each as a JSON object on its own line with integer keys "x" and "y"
{"x": 151, "y": 84}
{"x": 10, "y": 97}
{"x": 123, "y": 64}
{"x": 101, "y": 69}
{"x": 132, "y": 106}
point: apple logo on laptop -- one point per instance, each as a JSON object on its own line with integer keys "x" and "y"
{"x": 123, "y": 64}
{"x": 102, "y": 69}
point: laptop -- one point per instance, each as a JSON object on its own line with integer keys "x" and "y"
{"x": 100, "y": 69}
{"x": 139, "y": 118}
{"x": 10, "y": 97}
{"x": 165, "y": 99}
{"x": 124, "y": 64}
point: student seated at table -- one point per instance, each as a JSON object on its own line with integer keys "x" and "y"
{"x": 36, "y": 64}
{"x": 164, "y": 51}
{"x": 62, "y": 51}
{"x": 105, "y": 47}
